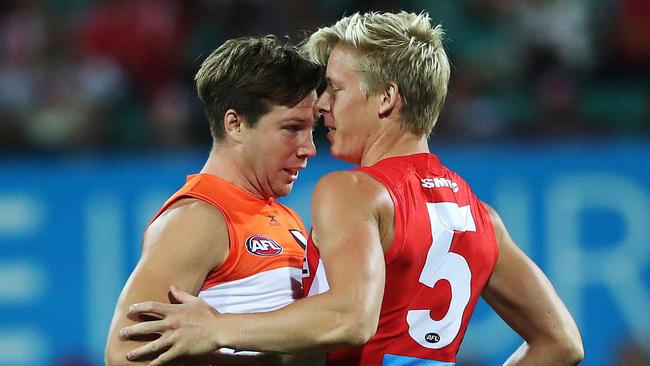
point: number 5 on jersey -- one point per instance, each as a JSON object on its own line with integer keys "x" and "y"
{"x": 446, "y": 218}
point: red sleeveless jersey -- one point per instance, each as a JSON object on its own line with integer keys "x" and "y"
{"x": 444, "y": 252}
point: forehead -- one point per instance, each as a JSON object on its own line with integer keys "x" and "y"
{"x": 303, "y": 110}
{"x": 340, "y": 63}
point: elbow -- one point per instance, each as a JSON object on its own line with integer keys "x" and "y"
{"x": 578, "y": 355}
{"x": 571, "y": 345}
{"x": 567, "y": 354}
{"x": 569, "y": 348}
{"x": 351, "y": 321}
{"x": 359, "y": 335}
{"x": 356, "y": 330}
{"x": 110, "y": 359}
{"x": 113, "y": 357}
{"x": 574, "y": 352}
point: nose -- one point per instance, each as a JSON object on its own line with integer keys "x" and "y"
{"x": 307, "y": 149}
{"x": 323, "y": 103}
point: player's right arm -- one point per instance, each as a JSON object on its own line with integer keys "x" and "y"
{"x": 522, "y": 296}
{"x": 347, "y": 234}
{"x": 347, "y": 211}
{"x": 180, "y": 247}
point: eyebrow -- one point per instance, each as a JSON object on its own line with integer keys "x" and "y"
{"x": 302, "y": 120}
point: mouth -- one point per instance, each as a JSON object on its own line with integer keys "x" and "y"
{"x": 292, "y": 172}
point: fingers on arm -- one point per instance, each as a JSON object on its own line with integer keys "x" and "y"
{"x": 145, "y": 328}
{"x": 148, "y": 309}
{"x": 160, "y": 347}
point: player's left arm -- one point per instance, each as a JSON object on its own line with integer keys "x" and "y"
{"x": 521, "y": 294}
{"x": 346, "y": 229}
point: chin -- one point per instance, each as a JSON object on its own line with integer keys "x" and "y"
{"x": 336, "y": 154}
{"x": 283, "y": 191}
{"x": 347, "y": 158}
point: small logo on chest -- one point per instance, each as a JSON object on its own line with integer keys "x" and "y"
{"x": 273, "y": 221}
{"x": 262, "y": 246}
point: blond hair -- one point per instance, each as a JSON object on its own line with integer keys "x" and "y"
{"x": 402, "y": 48}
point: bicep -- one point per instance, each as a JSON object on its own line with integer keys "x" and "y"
{"x": 174, "y": 252}
{"x": 346, "y": 232}
{"x": 352, "y": 257}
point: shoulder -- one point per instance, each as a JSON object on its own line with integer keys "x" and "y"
{"x": 494, "y": 215}
{"x": 187, "y": 210}
{"x": 352, "y": 196}
{"x": 190, "y": 223}
{"x": 349, "y": 186}
{"x": 498, "y": 225}
{"x": 353, "y": 182}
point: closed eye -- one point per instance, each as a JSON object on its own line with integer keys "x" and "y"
{"x": 294, "y": 128}
{"x": 332, "y": 89}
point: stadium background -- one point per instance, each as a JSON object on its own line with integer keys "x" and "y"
{"x": 548, "y": 117}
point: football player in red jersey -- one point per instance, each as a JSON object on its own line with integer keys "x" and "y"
{"x": 400, "y": 248}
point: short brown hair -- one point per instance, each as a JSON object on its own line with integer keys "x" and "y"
{"x": 250, "y": 75}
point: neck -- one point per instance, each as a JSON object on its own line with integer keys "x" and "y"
{"x": 394, "y": 142}
{"x": 224, "y": 163}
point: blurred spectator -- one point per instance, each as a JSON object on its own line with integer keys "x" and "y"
{"x": 106, "y": 74}
{"x": 474, "y": 110}
{"x": 556, "y": 27}
{"x": 22, "y": 40}
{"x": 485, "y": 41}
{"x": 557, "y": 95}
{"x": 170, "y": 115}
{"x": 632, "y": 35}
{"x": 145, "y": 37}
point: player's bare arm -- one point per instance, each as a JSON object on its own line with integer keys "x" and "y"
{"x": 180, "y": 247}
{"x": 346, "y": 213}
{"x": 522, "y": 295}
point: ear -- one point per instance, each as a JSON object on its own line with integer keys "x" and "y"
{"x": 233, "y": 124}
{"x": 388, "y": 99}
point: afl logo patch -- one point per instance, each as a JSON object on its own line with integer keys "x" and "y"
{"x": 262, "y": 246}
{"x": 432, "y": 337}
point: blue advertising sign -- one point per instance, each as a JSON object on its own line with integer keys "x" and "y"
{"x": 71, "y": 228}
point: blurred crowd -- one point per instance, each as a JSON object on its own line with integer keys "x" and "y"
{"x": 117, "y": 74}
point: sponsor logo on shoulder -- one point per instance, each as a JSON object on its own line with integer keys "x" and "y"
{"x": 439, "y": 182}
{"x": 262, "y": 246}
